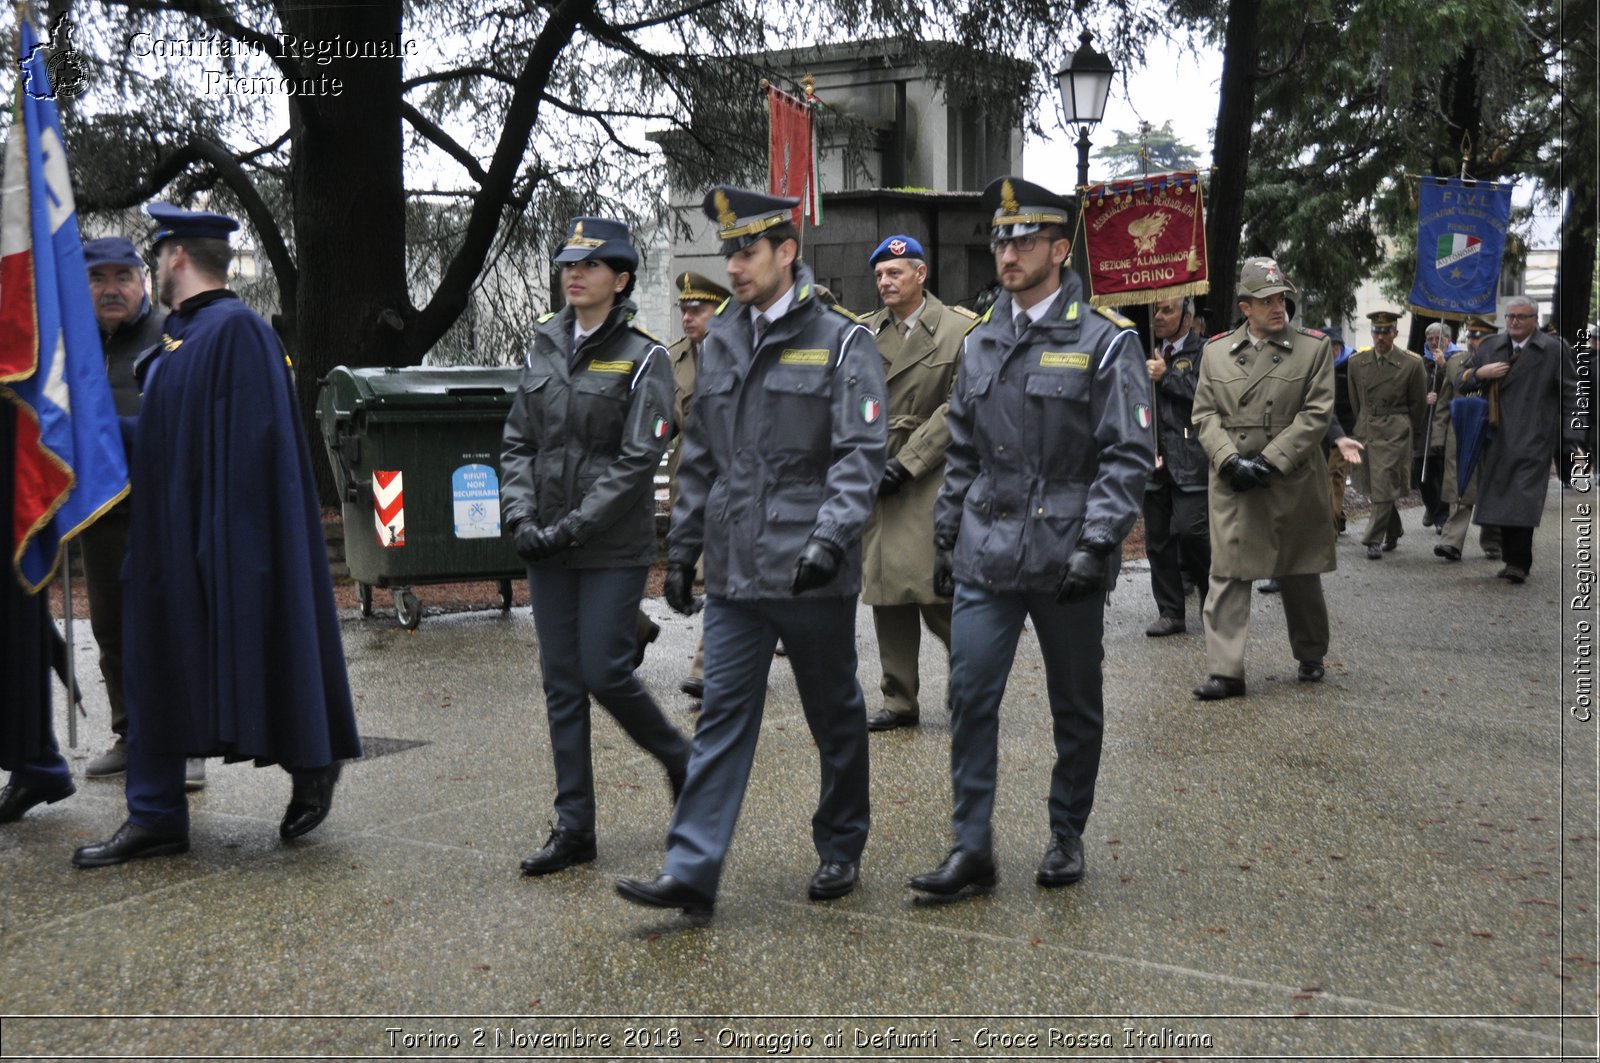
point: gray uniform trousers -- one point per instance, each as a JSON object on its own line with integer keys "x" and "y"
{"x": 740, "y": 635}
{"x": 1227, "y": 620}
{"x": 984, "y": 630}
{"x": 584, "y": 618}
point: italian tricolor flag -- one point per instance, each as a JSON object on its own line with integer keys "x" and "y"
{"x": 1453, "y": 247}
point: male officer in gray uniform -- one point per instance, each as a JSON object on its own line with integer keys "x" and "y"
{"x": 1050, "y": 447}
{"x": 781, "y": 462}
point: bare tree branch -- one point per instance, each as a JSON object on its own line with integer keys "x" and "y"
{"x": 459, "y": 72}
{"x": 430, "y": 131}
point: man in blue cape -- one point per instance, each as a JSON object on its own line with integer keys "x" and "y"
{"x": 233, "y": 644}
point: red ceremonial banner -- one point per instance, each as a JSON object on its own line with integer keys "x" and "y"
{"x": 789, "y": 154}
{"x": 1145, "y": 238}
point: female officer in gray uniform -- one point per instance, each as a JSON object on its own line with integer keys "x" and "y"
{"x": 582, "y": 443}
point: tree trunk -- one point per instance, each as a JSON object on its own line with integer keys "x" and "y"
{"x": 1463, "y": 122}
{"x": 1241, "y": 55}
{"x": 1575, "y": 268}
{"x": 349, "y": 205}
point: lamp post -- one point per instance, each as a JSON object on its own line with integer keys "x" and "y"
{"x": 1085, "y": 82}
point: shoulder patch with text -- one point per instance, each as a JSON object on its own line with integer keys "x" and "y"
{"x": 804, "y": 356}
{"x": 1064, "y": 360}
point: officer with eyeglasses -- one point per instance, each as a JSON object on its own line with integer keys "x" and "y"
{"x": 1050, "y": 447}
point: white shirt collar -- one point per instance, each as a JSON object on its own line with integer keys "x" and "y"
{"x": 779, "y": 307}
{"x": 1035, "y": 312}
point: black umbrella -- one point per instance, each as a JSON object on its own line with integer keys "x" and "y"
{"x": 1469, "y": 417}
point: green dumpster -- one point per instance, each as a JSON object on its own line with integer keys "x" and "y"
{"x": 416, "y": 455}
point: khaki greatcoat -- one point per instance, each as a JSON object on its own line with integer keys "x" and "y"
{"x": 1390, "y": 401}
{"x": 920, "y": 370}
{"x": 1275, "y": 400}
{"x": 684, "y": 355}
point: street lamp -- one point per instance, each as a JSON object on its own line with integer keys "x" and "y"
{"x": 1085, "y": 82}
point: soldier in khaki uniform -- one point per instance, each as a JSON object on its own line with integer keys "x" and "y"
{"x": 1461, "y": 502}
{"x": 1262, "y": 410}
{"x": 698, "y": 299}
{"x": 1389, "y": 396}
{"x": 920, "y": 339}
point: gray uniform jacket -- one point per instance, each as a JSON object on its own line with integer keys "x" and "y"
{"x": 786, "y": 442}
{"x": 585, "y": 435}
{"x": 1183, "y": 459}
{"x": 1049, "y": 436}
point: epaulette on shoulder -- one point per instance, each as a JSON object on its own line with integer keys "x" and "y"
{"x": 641, "y": 330}
{"x": 963, "y": 311}
{"x": 852, "y": 315}
{"x": 1115, "y": 318}
{"x": 546, "y": 316}
{"x": 981, "y": 320}
{"x": 1314, "y": 333}
{"x": 723, "y": 305}
{"x": 1219, "y": 335}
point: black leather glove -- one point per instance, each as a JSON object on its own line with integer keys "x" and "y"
{"x": 817, "y": 564}
{"x": 536, "y": 544}
{"x": 895, "y": 476}
{"x": 944, "y": 568}
{"x": 1240, "y": 473}
{"x": 1261, "y": 469}
{"x": 1086, "y": 569}
{"x": 679, "y": 589}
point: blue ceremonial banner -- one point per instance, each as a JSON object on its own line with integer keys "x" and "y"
{"x": 70, "y": 465}
{"x": 1461, "y": 234}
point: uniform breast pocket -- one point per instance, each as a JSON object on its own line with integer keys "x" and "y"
{"x": 1057, "y": 406}
{"x": 797, "y": 414}
{"x": 598, "y": 404}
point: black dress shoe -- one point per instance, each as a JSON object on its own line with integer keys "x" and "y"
{"x": 17, "y": 798}
{"x": 889, "y": 720}
{"x": 1310, "y": 672}
{"x": 664, "y": 891}
{"x": 834, "y": 878}
{"x": 309, "y": 802}
{"x": 640, "y": 645}
{"x": 561, "y": 850}
{"x": 1491, "y": 553}
{"x": 130, "y": 843}
{"x": 1217, "y": 687}
{"x": 1446, "y": 551}
{"x": 1390, "y": 544}
{"x": 1063, "y": 862}
{"x": 1166, "y": 625}
{"x": 1268, "y": 586}
{"x": 962, "y": 871}
{"x": 1513, "y": 573}
{"x": 1374, "y": 552}
{"x": 694, "y": 686}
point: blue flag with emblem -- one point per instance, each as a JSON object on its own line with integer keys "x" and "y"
{"x": 70, "y": 466}
{"x": 1461, "y": 235}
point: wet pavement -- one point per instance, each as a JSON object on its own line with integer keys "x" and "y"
{"x": 1398, "y": 861}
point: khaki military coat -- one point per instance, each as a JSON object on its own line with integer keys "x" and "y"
{"x": 683, "y": 355}
{"x": 1390, "y": 400}
{"x": 1275, "y": 400}
{"x": 1444, "y": 433}
{"x": 920, "y": 370}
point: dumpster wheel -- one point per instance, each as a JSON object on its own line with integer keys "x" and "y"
{"x": 505, "y": 595}
{"x": 407, "y": 608}
{"x": 364, "y": 592}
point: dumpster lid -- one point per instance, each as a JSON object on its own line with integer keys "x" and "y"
{"x": 426, "y": 385}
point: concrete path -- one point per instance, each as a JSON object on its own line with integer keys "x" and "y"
{"x": 1398, "y": 862}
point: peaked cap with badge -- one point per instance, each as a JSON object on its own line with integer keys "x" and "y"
{"x": 1481, "y": 326}
{"x": 1020, "y": 208}
{"x": 698, "y": 288}
{"x": 598, "y": 238}
{"x": 1383, "y": 319}
{"x": 743, "y": 216}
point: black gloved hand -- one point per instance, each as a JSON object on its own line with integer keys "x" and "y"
{"x": 817, "y": 564}
{"x": 525, "y": 538}
{"x": 679, "y": 589}
{"x": 944, "y": 568}
{"x": 1239, "y": 473}
{"x": 895, "y": 476}
{"x": 1086, "y": 568}
{"x": 1261, "y": 469}
{"x": 547, "y": 541}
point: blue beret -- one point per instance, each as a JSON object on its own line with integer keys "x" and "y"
{"x": 897, "y": 246}
{"x": 600, "y": 238}
{"x": 171, "y": 221}
{"x": 111, "y": 251}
